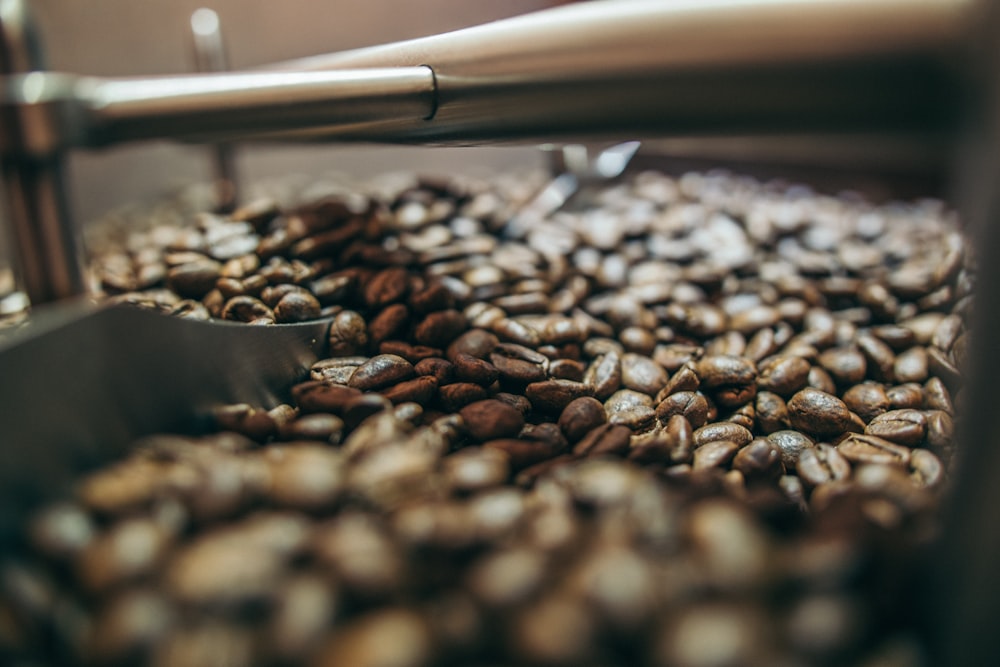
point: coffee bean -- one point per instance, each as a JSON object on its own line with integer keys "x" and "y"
{"x": 320, "y": 396}
{"x": 940, "y": 430}
{"x": 580, "y": 416}
{"x": 630, "y": 408}
{"x": 381, "y": 371}
{"x": 476, "y": 343}
{"x": 318, "y": 426}
{"x": 412, "y": 353}
{"x": 491, "y": 420}
{"x": 605, "y": 440}
{"x": 441, "y": 369}
{"x": 641, "y": 373}
{"x": 473, "y": 369}
{"x": 517, "y": 364}
{"x": 246, "y": 309}
{"x": 926, "y": 469}
{"x": 791, "y": 444}
{"x": 759, "y": 461}
{"x": 911, "y": 365}
{"x": 304, "y": 476}
{"x": 910, "y": 395}
{"x": 552, "y": 396}
{"x": 387, "y": 286}
{"x": 420, "y": 390}
{"x": 714, "y": 454}
{"x": 690, "y": 404}
{"x": 867, "y": 400}
{"x": 905, "y": 427}
{"x": 873, "y": 449}
{"x": 454, "y": 396}
{"x": 126, "y": 551}
{"x": 783, "y": 375}
{"x": 440, "y": 328}
{"x": 523, "y": 453}
{"x": 846, "y": 365}
{"x": 819, "y": 413}
{"x": 473, "y": 469}
{"x": 194, "y": 279}
{"x": 771, "y": 413}
{"x": 388, "y": 323}
{"x": 722, "y": 431}
{"x": 822, "y": 464}
{"x": 604, "y": 375}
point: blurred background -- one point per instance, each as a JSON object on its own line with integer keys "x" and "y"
{"x": 124, "y": 38}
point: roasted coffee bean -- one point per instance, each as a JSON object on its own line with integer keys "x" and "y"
{"x": 604, "y": 375}
{"x": 388, "y": 323}
{"x": 937, "y": 396}
{"x": 387, "y": 286}
{"x": 522, "y": 404}
{"x": 477, "y": 343}
{"x": 567, "y": 369}
{"x": 685, "y": 379}
{"x": 580, "y": 416}
{"x": 552, "y": 396}
{"x": 873, "y": 449}
{"x": 724, "y": 371}
{"x": 491, "y": 420}
{"x": 821, "y": 380}
{"x": 412, "y": 353}
{"x": 246, "y": 309}
{"x": 420, "y": 390}
{"x": 381, "y": 371}
{"x": 455, "y": 396}
{"x": 910, "y": 395}
{"x": 641, "y": 373}
{"x": 126, "y": 551}
{"x": 905, "y": 427}
{"x": 323, "y": 397}
{"x": 759, "y": 461}
{"x": 473, "y": 369}
{"x": 879, "y": 356}
{"x": 441, "y": 369}
{"x": 690, "y": 404}
{"x": 819, "y": 413}
{"x": 926, "y": 469}
{"x": 318, "y": 426}
{"x": 605, "y": 440}
{"x": 822, "y": 464}
{"x": 783, "y": 375}
{"x": 630, "y": 408}
{"x": 517, "y": 364}
{"x": 911, "y": 365}
{"x": 304, "y": 476}
{"x": 714, "y": 454}
{"x": 722, "y": 431}
{"x": 474, "y": 468}
{"x": 194, "y": 279}
{"x": 440, "y": 328}
{"x": 940, "y": 430}
{"x": 846, "y": 365}
{"x": 523, "y": 453}
{"x": 791, "y": 444}
{"x": 867, "y": 400}
{"x": 771, "y": 413}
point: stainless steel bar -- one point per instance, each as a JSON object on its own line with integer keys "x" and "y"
{"x": 47, "y": 259}
{"x": 683, "y": 67}
{"x": 210, "y": 56}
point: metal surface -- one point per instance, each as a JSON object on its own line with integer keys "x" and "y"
{"x": 45, "y": 238}
{"x": 642, "y": 68}
{"x": 210, "y": 56}
{"x": 79, "y": 384}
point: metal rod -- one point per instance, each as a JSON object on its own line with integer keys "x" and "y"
{"x": 47, "y": 260}
{"x": 210, "y": 56}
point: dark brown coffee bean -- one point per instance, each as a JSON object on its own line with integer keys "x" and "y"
{"x": 605, "y": 440}
{"x": 518, "y": 364}
{"x": 638, "y": 340}
{"x": 552, "y": 396}
{"x": 690, "y": 404}
{"x": 440, "y": 328}
{"x": 759, "y": 461}
{"x": 940, "y": 430}
{"x": 819, "y": 413}
{"x": 246, "y": 309}
{"x": 771, "y": 413}
{"x": 791, "y": 444}
{"x": 722, "y": 431}
{"x": 567, "y": 369}
{"x": 641, "y": 373}
{"x": 783, "y": 375}
{"x": 455, "y": 396}
{"x": 388, "y": 323}
{"x": 685, "y": 379}
{"x": 323, "y": 397}
{"x": 296, "y": 306}
{"x": 846, "y": 365}
{"x": 879, "y": 356}
{"x": 604, "y": 375}
{"x": 477, "y": 343}
{"x": 491, "y": 420}
{"x": 821, "y": 380}
{"x": 523, "y": 453}
{"x": 905, "y": 427}
{"x": 944, "y": 368}
{"x": 319, "y": 426}
{"x": 714, "y": 454}
{"x": 867, "y": 400}
{"x": 630, "y": 408}
{"x": 762, "y": 344}
{"x": 420, "y": 390}
{"x": 822, "y": 464}
{"x": 910, "y": 395}
{"x": 473, "y": 369}
{"x": 412, "y": 353}
{"x": 387, "y": 286}
{"x": 246, "y": 420}
{"x": 522, "y": 404}
{"x": 517, "y": 332}
{"x": 926, "y": 469}
{"x": 336, "y": 370}
{"x": 441, "y": 369}
{"x": 580, "y": 416}
{"x": 724, "y": 371}
{"x": 937, "y": 396}
{"x": 911, "y": 365}
{"x": 348, "y": 334}
{"x": 434, "y": 296}
{"x": 872, "y": 449}
{"x": 194, "y": 279}
{"x": 381, "y": 371}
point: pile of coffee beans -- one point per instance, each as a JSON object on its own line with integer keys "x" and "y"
{"x": 700, "y": 421}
